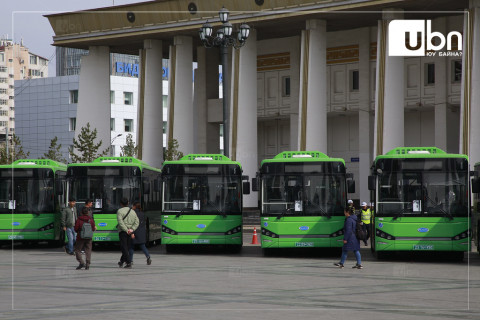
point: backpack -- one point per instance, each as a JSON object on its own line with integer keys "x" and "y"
{"x": 87, "y": 231}
{"x": 359, "y": 232}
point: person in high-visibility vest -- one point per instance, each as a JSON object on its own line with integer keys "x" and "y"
{"x": 365, "y": 216}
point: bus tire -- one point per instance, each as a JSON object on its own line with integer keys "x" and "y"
{"x": 171, "y": 248}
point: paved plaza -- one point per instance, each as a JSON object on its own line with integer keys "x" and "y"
{"x": 42, "y": 283}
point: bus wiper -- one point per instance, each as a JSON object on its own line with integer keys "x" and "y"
{"x": 210, "y": 202}
{"x": 183, "y": 210}
{"x": 284, "y": 212}
{"x": 323, "y": 212}
{"x": 445, "y": 213}
{"x": 400, "y": 214}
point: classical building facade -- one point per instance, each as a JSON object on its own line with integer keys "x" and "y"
{"x": 322, "y": 75}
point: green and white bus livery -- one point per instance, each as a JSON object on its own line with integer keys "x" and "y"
{"x": 31, "y": 199}
{"x": 421, "y": 201}
{"x": 202, "y": 198}
{"x": 302, "y": 200}
{"x": 106, "y": 181}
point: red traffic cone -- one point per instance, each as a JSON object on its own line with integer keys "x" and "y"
{"x": 254, "y": 238}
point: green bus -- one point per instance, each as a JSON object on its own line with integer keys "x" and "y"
{"x": 476, "y": 206}
{"x": 202, "y": 198}
{"x": 31, "y": 199}
{"x": 421, "y": 201}
{"x": 303, "y": 195}
{"x": 107, "y": 180}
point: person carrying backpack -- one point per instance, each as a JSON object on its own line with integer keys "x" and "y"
{"x": 350, "y": 241}
{"x": 84, "y": 238}
{"x": 140, "y": 233}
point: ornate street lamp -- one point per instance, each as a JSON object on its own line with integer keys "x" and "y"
{"x": 223, "y": 39}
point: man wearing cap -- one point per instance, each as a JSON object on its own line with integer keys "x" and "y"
{"x": 69, "y": 216}
{"x": 365, "y": 215}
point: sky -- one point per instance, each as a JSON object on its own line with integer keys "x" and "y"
{"x": 24, "y": 20}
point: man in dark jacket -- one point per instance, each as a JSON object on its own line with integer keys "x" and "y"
{"x": 350, "y": 242}
{"x": 140, "y": 233}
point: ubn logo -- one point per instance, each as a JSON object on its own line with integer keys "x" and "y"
{"x": 418, "y": 37}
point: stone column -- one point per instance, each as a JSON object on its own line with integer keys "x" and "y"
{"x": 441, "y": 81}
{"x": 206, "y": 90}
{"x": 313, "y": 87}
{"x": 390, "y": 99}
{"x": 150, "y": 111}
{"x": 364, "y": 116}
{"x": 94, "y": 95}
{"x": 244, "y": 111}
{"x": 180, "y": 118}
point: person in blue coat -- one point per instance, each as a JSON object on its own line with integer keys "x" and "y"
{"x": 140, "y": 233}
{"x": 350, "y": 241}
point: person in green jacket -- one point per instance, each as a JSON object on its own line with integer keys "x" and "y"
{"x": 69, "y": 216}
{"x": 127, "y": 223}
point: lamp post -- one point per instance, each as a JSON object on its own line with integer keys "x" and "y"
{"x": 111, "y": 142}
{"x": 223, "y": 39}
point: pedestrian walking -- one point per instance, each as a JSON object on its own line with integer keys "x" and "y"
{"x": 89, "y": 205}
{"x": 140, "y": 233}
{"x": 127, "y": 223}
{"x": 67, "y": 221}
{"x": 350, "y": 242}
{"x": 84, "y": 244}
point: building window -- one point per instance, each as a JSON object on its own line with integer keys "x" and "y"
{"x": 429, "y": 74}
{"x": 3, "y": 91}
{"x": 128, "y": 125}
{"x": 164, "y": 126}
{"x": 457, "y": 71}
{"x": 3, "y": 80}
{"x": 3, "y": 123}
{"x": 3, "y": 102}
{"x": 285, "y": 86}
{"x": 33, "y": 59}
{"x": 354, "y": 80}
{"x": 72, "y": 124}
{"x": 3, "y": 113}
{"x": 2, "y": 57}
{"x": 112, "y": 97}
{"x": 3, "y": 69}
{"x": 73, "y": 96}
{"x": 128, "y": 98}
{"x": 112, "y": 124}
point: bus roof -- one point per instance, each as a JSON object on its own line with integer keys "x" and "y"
{"x": 418, "y": 153}
{"x": 302, "y": 156}
{"x": 203, "y": 159}
{"x": 36, "y": 163}
{"x": 116, "y": 162}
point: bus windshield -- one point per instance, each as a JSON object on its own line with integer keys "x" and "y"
{"x": 192, "y": 194}
{"x": 106, "y": 190}
{"x": 430, "y": 193}
{"x": 31, "y": 191}
{"x": 304, "y": 195}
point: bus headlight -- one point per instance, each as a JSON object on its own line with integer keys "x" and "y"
{"x": 47, "y": 227}
{"x": 336, "y": 233}
{"x": 269, "y": 233}
{"x": 168, "y": 230}
{"x": 463, "y": 235}
{"x": 384, "y": 235}
{"x": 234, "y": 230}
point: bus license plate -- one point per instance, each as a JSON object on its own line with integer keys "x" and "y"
{"x": 16, "y": 237}
{"x": 102, "y": 238}
{"x": 422, "y": 247}
{"x": 303, "y": 244}
{"x": 201, "y": 241}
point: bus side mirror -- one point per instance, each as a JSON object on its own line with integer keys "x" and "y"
{"x": 156, "y": 186}
{"x": 371, "y": 182}
{"x": 476, "y": 185}
{"x": 351, "y": 186}
{"x": 246, "y": 187}
{"x": 254, "y": 184}
{"x": 59, "y": 188}
{"x": 146, "y": 188}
